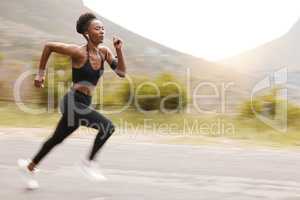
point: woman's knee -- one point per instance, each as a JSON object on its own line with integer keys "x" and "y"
{"x": 111, "y": 128}
{"x": 106, "y": 132}
{"x": 106, "y": 127}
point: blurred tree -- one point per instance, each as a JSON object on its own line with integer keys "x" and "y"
{"x": 1, "y": 56}
{"x": 58, "y": 80}
{"x": 165, "y": 93}
{"x": 266, "y": 105}
{"x": 173, "y": 95}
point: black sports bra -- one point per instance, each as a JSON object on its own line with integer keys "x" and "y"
{"x": 86, "y": 74}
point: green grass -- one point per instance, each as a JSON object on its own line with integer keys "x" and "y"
{"x": 12, "y": 116}
{"x": 245, "y": 131}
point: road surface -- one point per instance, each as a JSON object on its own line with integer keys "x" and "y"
{"x": 142, "y": 171}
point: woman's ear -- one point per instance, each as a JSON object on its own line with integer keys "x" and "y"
{"x": 86, "y": 34}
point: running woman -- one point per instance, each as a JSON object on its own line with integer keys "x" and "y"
{"x": 87, "y": 68}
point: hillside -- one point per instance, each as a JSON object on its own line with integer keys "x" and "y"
{"x": 27, "y": 25}
{"x": 283, "y": 51}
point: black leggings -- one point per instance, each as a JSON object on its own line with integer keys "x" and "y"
{"x": 75, "y": 112}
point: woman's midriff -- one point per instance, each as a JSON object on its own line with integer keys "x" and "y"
{"x": 87, "y": 90}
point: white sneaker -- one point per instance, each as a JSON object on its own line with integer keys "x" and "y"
{"x": 92, "y": 171}
{"x": 27, "y": 175}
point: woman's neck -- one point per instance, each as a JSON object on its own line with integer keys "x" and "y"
{"x": 92, "y": 47}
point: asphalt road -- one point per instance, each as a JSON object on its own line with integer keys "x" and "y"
{"x": 138, "y": 171}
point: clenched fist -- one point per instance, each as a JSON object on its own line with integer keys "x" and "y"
{"x": 39, "y": 81}
{"x": 118, "y": 43}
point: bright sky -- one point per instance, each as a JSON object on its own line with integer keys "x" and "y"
{"x": 211, "y": 29}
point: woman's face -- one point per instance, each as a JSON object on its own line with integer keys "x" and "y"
{"x": 96, "y": 31}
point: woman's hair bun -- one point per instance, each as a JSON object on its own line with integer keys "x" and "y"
{"x": 83, "y": 22}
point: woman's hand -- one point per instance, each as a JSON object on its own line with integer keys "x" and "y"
{"x": 118, "y": 43}
{"x": 39, "y": 80}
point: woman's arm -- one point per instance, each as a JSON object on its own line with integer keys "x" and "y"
{"x": 58, "y": 47}
{"x": 118, "y": 63}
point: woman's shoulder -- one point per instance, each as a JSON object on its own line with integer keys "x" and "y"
{"x": 81, "y": 50}
{"x": 77, "y": 49}
{"x": 103, "y": 48}
{"x": 81, "y": 55}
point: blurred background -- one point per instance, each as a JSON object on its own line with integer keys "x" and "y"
{"x": 236, "y": 97}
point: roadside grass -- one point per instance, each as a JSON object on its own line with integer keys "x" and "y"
{"x": 182, "y": 128}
